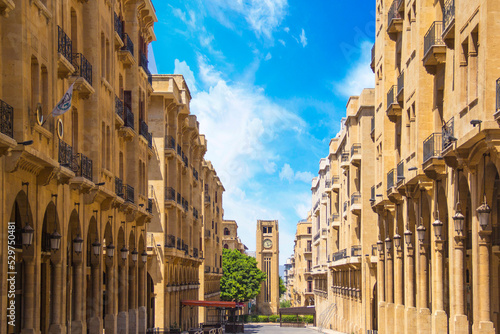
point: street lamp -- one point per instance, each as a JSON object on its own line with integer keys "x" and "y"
{"x": 27, "y": 235}
{"x": 124, "y": 253}
{"x": 458, "y": 221}
{"x": 484, "y": 209}
{"x": 55, "y": 241}
{"x": 438, "y": 228}
{"x": 388, "y": 244}
{"x": 408, "y": 235}
{"x": 77, "y": 244}
{"x": 134, "y": 254}
{"x": 110, "y": 250}
{"x": 96, "y": 247}
{"x": 380, "y": 246}
{"x": 144, "y": 256}
{"x": 421, "y": 233}
{"x": 397, "y": 241}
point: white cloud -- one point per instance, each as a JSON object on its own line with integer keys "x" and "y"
{"x": 181, "y": 67}
{"x": 359, "y": 76}
{"x": 268, "y": 56}
{"x": 287, "y": 173}
{"x": 303, "y": 38}
{"x": 282, "y": 42}
{"x": 286, "y": 29}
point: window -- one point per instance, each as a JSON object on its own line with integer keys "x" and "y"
{"x": 226, "y": 231}
{"x": 309, "y": 230}
{"x": 267, "y": 229}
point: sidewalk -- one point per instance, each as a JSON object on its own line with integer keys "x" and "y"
{"x": 326, "y": 331}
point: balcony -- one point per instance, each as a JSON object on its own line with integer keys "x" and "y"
{"x": 207, "y": 269}
{"x": 400, "y": 169}
{"x": 143, "y": 63}
{"x": 129, "y": 193}
{"x": 497, "y": 107}
{"x": 316, "y": 237}
{"x": 356, "y": 203}
{"x": 390, "y": 179}
{"x": 170, "y": 195}
{"x": 207, "y": 234}
{"x": 195, "y": 253}
{"x": 355, "y": 251}
{"x": 82, "y": 74}
{"x": 401, "y": 88}
{"x": 344, "y": 161}
{"x": 339, "y": 255}
{"x": 393, "y": 107}
{"x": 179, "y": 243}
{"x": 143, "y": 131}
{"x": 129, "y": 117}
{"x": 372, "y": 63}
{"x": 84, "y": 166}
{"x": 170, "y": 242}
{"x": 207, "y": 199}
{"x": 149, "y": 209}
{"x": 6, "y": 119}
{"x": 372, "y": 195}
{"x": 448, "y": 134}
{"x": 126, "y": 53}
{"x": 372, "y": 131}
{"x": 195, "y": 214}
{"x": 119, "y": 112}
{"x": 185, "y": 204}
{"x": 308, "y": 250}
{"x": 401, "y": 6}
{"x": 195, "y": 175}
{"x": 118, "y": 31}
{"x": 119, "y": 187}
{"x": 394, "y": 19}
{"x": 346, "y": 206}
{"x": 335, "y": 183}
{"x": 356, "y": 154}
{"x": 434, "y": 47}
{"x": 449, "y": 20}
{"x": 170, "y": 144}
{"x": 65, "y": 54}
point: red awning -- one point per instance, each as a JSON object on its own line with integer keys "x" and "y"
{"x": 208, "y": 303}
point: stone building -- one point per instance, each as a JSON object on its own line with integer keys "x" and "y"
{"x": 230, "y": 238}
{"x": 436, "y": 134}
{"x": 302, "y": 288}
{"x": 75, "y": 185}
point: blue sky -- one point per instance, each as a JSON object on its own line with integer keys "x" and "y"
{"x": 270, "y": 80}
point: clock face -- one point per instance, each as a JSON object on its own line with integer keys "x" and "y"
{"x": 268, "y": 243}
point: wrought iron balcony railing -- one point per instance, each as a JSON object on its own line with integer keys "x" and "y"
{"x": 169, "y": 194}
{"x": 170, "y": 242}
{"x": 143, "y": 62}
{"x": 127, "y": 44}
{"x": 179, "y": 201}
{"x": 355, "y": 251}
{"x": 129, "y": 117}
{"x": 335, "y": 217}
{"x": 195, "y": 213}
{"x": 119, "y": 187}
{"x": 434, "y": 36}
{"x": 448, "y": 133}
{"x": 6, "y": 119}
{"x": 144, "y": 130}
{"x": 119, "y": 107}
{"x": 433, "y": 146}
{"x": 498, "y": 96}
{"x": 129, "y": 193}
{"x": 391, "y": 96}
{"x": 169, "y": 142}
{"x": 118, "y": 26}
{"x": 66, "y": 156}
{"x": 85, "y": 166}
{"x": 344, "y": 157}
{"x": 195, "y": 174}
{"x": 393, "y": 13}
{"x": 448, "y": 13}
{"x": 346, "y": 205}
{"x": 316, "y": 237}
{"x": 355, "y": 149}
{"x": 179, "y": 150}
{"x": 401, "y": 82}
{"x": 372, "y": 194}
{"x": 339, "y": 255}
{"x": 150, "y": 205}
{"x": 83, "y": 68}
{"x": 400, "y": 169}
{"x": 195, "y": 253}
{"x": 179, "y": 244}
{"x": 356, "y": 198}
{"x": 372, "y": 124}
{"x": 64, "y": 44}
{"x": 390, "y": 179}
{"x": 335, "y": 179}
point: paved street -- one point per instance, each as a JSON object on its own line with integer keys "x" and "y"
{"x": 276, "y": 329}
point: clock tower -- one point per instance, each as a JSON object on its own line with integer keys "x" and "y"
{"x": 268, "y": 261}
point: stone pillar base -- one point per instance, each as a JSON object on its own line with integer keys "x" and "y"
{"x": 28, "y": 331}
{"x": 399, "y": 319}
{"x": 55, "y": 329}
{"x": 142, "y": 320}
{"x": 110, "y": 323}
{"x": 424, "y": 321}
{"x": 390, "y": 318}
{"x": 460, "y": 324}
{"x": 485, "y": 327}
{"x": 132, "y": 321}
{"x": 76, "y": 327}
{"x": 440, "y": 322}
{"x": 381, "y": 317}
{"x": 410, "y": 320}
{"x": 122, "y": 323}
{"x": 94, "y": 325}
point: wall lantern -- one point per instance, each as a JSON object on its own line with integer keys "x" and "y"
{"x": 27, "y": 235}
{"x": 421, "y": 233}
{"x": 484, "y": 209}
{"x": 438, "y": 228}
{"x": 110, "y": 250}
{"x": 124, "y": 253}
{"x": 380, "y": 246}
{"x": 388, "y": 244}
{"x": 96, "y": 247}
{"x": 408, "y": 236}
{"x": 397, "y": 241}
{"x": 55, "y": 241}
{"x": 77, "y": 244}
{"x": 134, "y": 254}
{"x": 144, "y": 256}
{"x": 458, "y": 220}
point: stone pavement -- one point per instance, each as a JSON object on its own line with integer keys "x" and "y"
{"x": 263, "y": 328}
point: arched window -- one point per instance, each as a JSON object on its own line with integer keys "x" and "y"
{"x": 226, "y": 231}
{"x": 226, "y": 246}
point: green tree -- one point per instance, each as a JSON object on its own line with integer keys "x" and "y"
{"x": 285, "y": 304}
{"x": 282, "y": 287}
{"x": 241, "y": 279}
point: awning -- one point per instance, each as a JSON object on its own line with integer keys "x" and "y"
{"x": 208, "y": 303}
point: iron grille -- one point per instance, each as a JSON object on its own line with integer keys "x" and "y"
{"x": 356, "y": 250}
{"x": 6, "y": 119}
{"x": 129, "y": 117}
{"x": 119, "y": 187}
{"x": 143, "y": 129}
{"x": 448, "y": 13}
{"x": 85, "y": 166}
{"x": 401, "y": 82}
{"x": 170, "y": 142}
{"x": 150, "y": 205}
{"x": 83, "y": 68}
{"x": 119, "y": 107}
{"x": 127, "y": 44}
{"x": 195, "y": 252}
{"x": 129, "y": 193}
{"x": 391, "y": 96}
{"x": 448, "y": 133}
{"x": 433, "y": 36}
{"x": 372, "y": 197}
{"x": 64, "y": 44}
{"x": 66, "y": 157}
{"x": 433, "y": 146}
{"x": 356, "y": 198}
{"x": 118, "y": 26}
{"x": 400, "y": 171}
{"x": 170, "y": 243}
{"x": 179, "y": 246}
{"x": 170, "y": 194}
{"x": 393, "y": 13}
{"x": 335, "y": 180}
{"x": 143, "y": 62}
{"x": 390, "y": 179}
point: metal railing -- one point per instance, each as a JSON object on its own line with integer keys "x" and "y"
{"x": 401, "y": 82}
{"x": 356, "y": 250}
{"x": 129, "y": 117}
{"x": 344, "y": 157}
{"x": 434, "y": 36}
{"x": 373, "y": 55}
{"x": 448, "y": 133}
{"x": 129, "y": 193}
{"x": 127, "y": 44}
{"x": 64, "y": 44}
{"x": 433, "y": 146}
{"x": 308, "y": 249}
{"x": 335, "y": 179}
{"x": 372, "y": 194}
{"x": 355, "y": 149}
{"x": 195, "y": 213}
{"x": 400, "y": 168}
{"x": 85, "y": 166}
{"x": 316, "y": 237}
{"x": 169, "y": 194}
{"x": 66, "y": 157}
{"x": 143, "y": 62}
{"x": 195, "y": 252}
{"x": 118, "y": 187}
{"x": 179, "y": 243}
{"x": 170, "y": 142}
{"x": 339, "y": 255}
{"x": 400, "y": 2}
{"x": 170, "y": 242}
{"x": 143, "y": 131}
{"x": 6, "y": 119}
{"x": 448, "y": 13}
{"x": 150, "y": 205}
{"x": 393, "y": 13}
{"x": 335, "y": 217}
{"x": 119, "y": 107}
{"x": 390, "y": 179}
{"x": 373, "y": 124}
{"x": 195, "y": 174}
{"x": 118, "y": 26}
{"x": 498, "y": 95}
{"x": 391, "y": 96}
{"x": 346, "y": 205}
{"x": 185, "y": 204}
{"x": 356, "y": 198}
{"x": 83, "y": 68}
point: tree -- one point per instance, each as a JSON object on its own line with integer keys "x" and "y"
{"x": 282, "y": 287}
{"x": 241, "y": 279}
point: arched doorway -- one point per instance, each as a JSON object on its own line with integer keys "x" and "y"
{"x": 93, "y": 278}
{"x": 74, "y": 267}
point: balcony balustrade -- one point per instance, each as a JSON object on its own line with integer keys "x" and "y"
{"x": 119, "y": 187}
{"x": 393, "y": 107}
{"x": 400, "y": 4}
{"x": 129, "y": 193}
{"x": 372, "y": 194}
{"x": 144, "y": 63}
{"x": 195, "y": 174}
{"x": 346, "y": 205}
{"x": 179, "y": 243}
{"x": 169, "y": 194}
{"x": 394, "y": 19}
{"x": 64, "y": 45}
{"x": 308, "y": 249}
{"x": 185, "y": 204}
{"x": 400, "y": 169}
{"x": 448, "y": 19}
{"x": 344, "y": 157}
{"x": 207, "y": 269}
{"x": 355, "y": 251}
{"x": 433, "y": 146}
{"x": 129, "y": 117}
{"x": 316, "y": 237}
{"x": 337, "y": 256}
{"x": 66, "y": 156}
{"x": 390, "y": 179}
{"x": 85, "y": 166}
{"x": 356, "y": 198}
{"x": 401, "y": 87}
{"x": 179, "y": 150}
{"x": 372, "y": 63}
{"x": 83, "y": 68}
{"x": 207, "y": 199}
{"x": 195, "y": 253}
{"x": 143, "y": 131}
{"x": 498, "y": 96}
{"x": 118, "y": 25}
{"x": 127, "y": 44}
{"x": 372, "y": 131}
{"x": 150, "y": 206}
{"x": 195, "y": 213}
{"x": 119, "y": 110}
{"x": 169, "y": 142}
{"x": 6, "y": 119}
{"x": 434, "y": 47}
{"x": 448, "y": 133}
{"x": 170, "y": 242}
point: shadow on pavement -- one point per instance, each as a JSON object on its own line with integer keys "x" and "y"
{"x": 252, "y": 329}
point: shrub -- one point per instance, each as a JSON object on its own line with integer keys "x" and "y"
{"x": 274, "y": 318}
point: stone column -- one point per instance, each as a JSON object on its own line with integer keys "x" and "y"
{"x": 423, "y": 278}
{"x": 410, "y": 279}
{"x": 398, "y": 277}
{"x": 55, "y": 300}
{"x": 29, "y": 295}
{"x": 77, "y": 323}
{"x": 484, "y": 276}
{"x": 381, "y": 277}
{"x": 389, "y": 277}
